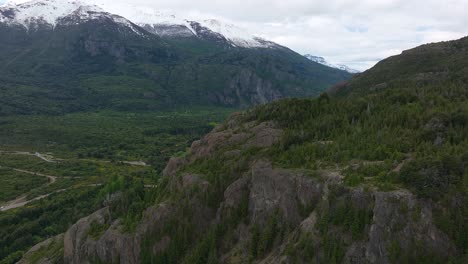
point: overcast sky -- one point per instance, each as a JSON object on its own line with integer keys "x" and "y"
{"x": 357, "y": 33}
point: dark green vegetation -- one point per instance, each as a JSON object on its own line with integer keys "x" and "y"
{"x": 25, "y": 227}
{"x": 427, "y": 133}
{"x": 387, "y": 130}
{"x": 372, "y": 141}
{"x": 387, "y": 150}
{"x": 13, "y": 184}
{"x": 110, "y": 135}
{"x": 89, "y": 151}
{"x": 187, "y": 245}
{"x": 420, "y": 125}
{"x": 103, "y": 65}
{"x": 97, "y": 96}
{"x": 440, "y": 65}
{"x": 52, "y": 251}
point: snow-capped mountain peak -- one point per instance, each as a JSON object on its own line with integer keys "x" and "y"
{"x": 48, "y": 11}
{"x": 317, "y": 59}
{"x": 322, "y": 61}
{"x": 236, "y": 35}
{"x": 347, "y": 68}
{"x": 52, "y": 12}
{"x": 168, "y": 24}
{"x": 149, "y": 17}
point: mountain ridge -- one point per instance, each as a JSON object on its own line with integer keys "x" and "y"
{"x": 429, "y": 64}
{"x": 32, "y": 13}
{"x": 97, "y": 60}
{"x": 149, "y": 17}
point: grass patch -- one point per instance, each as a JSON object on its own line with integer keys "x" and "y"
{"x": 14, "y": 184}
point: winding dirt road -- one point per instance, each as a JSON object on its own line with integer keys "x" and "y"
{"x": 52, "y": 179}
{"x": 44, "y": 157}
{"x": 21, "y": 200}
{"x": 51, "y": 159}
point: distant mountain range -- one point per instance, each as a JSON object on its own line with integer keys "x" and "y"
{"x": 62, "y": 56}
{"x": 51, "y": 12}
{"x": 322, "y": 61}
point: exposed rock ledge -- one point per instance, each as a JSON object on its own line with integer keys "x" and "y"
{"x": 297, "y": 198}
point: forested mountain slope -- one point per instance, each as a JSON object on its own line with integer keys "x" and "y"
{"x": 377, "y": 176}
{"x": 437, "y": 64}
{"x": 67, "y": 56}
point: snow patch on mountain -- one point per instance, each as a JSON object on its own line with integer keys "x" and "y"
{"x": 347, "y": 68}
{"x": 322, "y": 61}
{"x": 47, "y": 11}
{"x": 168, "y": 24}
{"x": 53, "y": 12}
{"x": 144, "y": 16}
{"x": 236, "y": 35}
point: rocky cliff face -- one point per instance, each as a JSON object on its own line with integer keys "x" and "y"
{"x": 227, "y": 193}
{"x": 249, "y": 89}
{"x": 113, "y": 246}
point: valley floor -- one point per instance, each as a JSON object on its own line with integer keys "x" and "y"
{"x": 53, "y": 169}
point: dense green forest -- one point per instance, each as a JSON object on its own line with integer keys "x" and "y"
{"x": 402, "y": 135}
{"x": 409, "y": 138}
{"x": 109, "y": 135}
{"x": 54, "y": 72}
{"x": 89, "y": 151}
{"x": 397, "y": 133}
{"x": 398, "y": 139}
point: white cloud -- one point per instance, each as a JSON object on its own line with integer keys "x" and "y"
{"x": 356, "y": 33}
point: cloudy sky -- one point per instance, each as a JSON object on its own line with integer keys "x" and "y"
{"x": 357, "y": 33}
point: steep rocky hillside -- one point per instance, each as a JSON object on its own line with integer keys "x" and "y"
{"x": 267, "y": 192}
{"x": 376, "y": 177}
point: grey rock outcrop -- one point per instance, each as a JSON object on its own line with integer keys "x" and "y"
{"x": 373, "y": 226}
{"x": 248, "y": 135}
{"x": 114, "y": 245}
{"x": 37, "y": 250}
